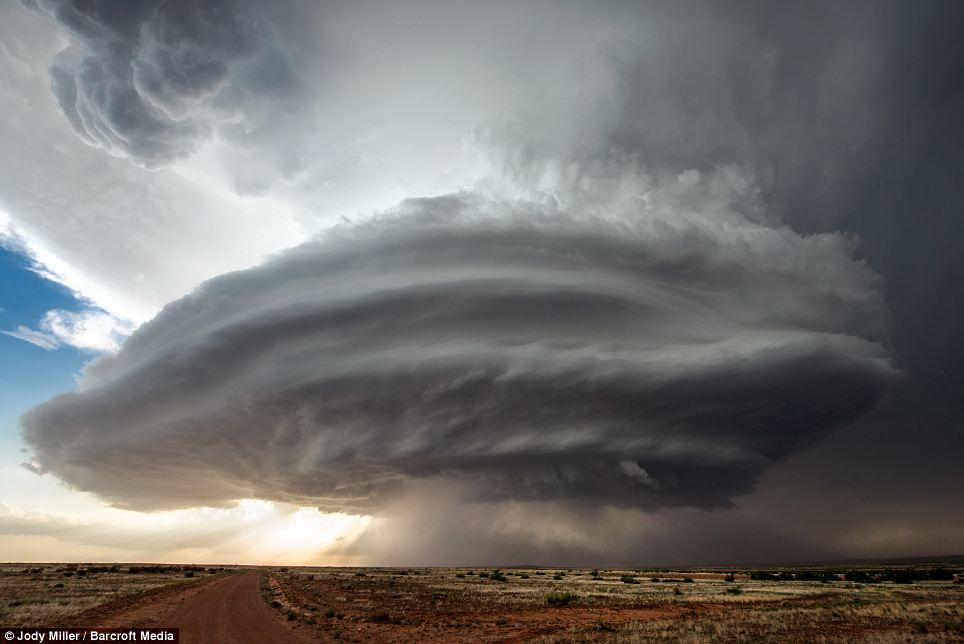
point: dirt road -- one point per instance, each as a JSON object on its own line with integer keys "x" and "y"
{"x": 230, "y": 609}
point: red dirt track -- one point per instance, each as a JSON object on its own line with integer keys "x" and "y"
{"x": 229, "y": 611}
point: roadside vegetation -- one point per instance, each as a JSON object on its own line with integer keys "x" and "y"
{"x": 50, "y": 594}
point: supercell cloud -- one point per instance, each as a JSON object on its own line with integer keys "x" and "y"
{"x": 651, "y": 350}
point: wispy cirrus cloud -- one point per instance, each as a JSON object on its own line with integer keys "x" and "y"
{"x": 36, "y": 338}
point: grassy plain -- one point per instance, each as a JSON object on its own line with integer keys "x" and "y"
{"x": 51, "y": 594}
{"x": 564, "y": 605}
{"x": 867, "y": 604}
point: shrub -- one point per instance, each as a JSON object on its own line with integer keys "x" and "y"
{"x": 496, "y": 575}
{"x": 557, "y": 576}
{"x": 189, "y": 573}
{"x": 330, "y": 613}
{"x": 688, "y": 580}
{"x": 560, "y": 599}
{"x": 734, "y": 590}
{"x": 900, "y": 575}
{"x": 677, "y": 591}
{"x": 730, "y": 577}
{"x": 628, "y": 579}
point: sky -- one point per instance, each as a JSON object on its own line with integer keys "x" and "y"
{"x": 455, "y": 283}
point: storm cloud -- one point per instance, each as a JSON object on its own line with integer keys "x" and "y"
{"x": 640, "y": 354}
{"x": 153, "y": 79}
{"x": 631, "y": 306}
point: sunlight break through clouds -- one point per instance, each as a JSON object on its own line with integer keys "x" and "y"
{"x": 253, "y": 531}
{"x": 649, "y": 355}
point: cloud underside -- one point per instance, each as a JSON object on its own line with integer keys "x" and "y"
{"x": 152, "y": 80}
{"x": 523, "y": 355}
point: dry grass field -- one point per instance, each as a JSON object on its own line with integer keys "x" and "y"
{"x": 869, "y": 604}
{"x": 52, "y": 594}
{"x": 467, "y": 605}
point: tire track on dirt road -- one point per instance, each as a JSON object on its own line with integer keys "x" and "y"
{"x": 230, "y": 611}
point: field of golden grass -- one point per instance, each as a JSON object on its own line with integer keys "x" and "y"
{"x": 51, "y": 594}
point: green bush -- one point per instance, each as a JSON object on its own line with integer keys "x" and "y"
{"x": 560, "y": 599}
{"x": 628, "y": 579}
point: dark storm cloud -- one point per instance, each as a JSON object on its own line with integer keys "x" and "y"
{"x": 638, "y": 360}
{"x": 721, "y": 123}
{"x": 153, "y": 79}
{"x": 848, "y": 115}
